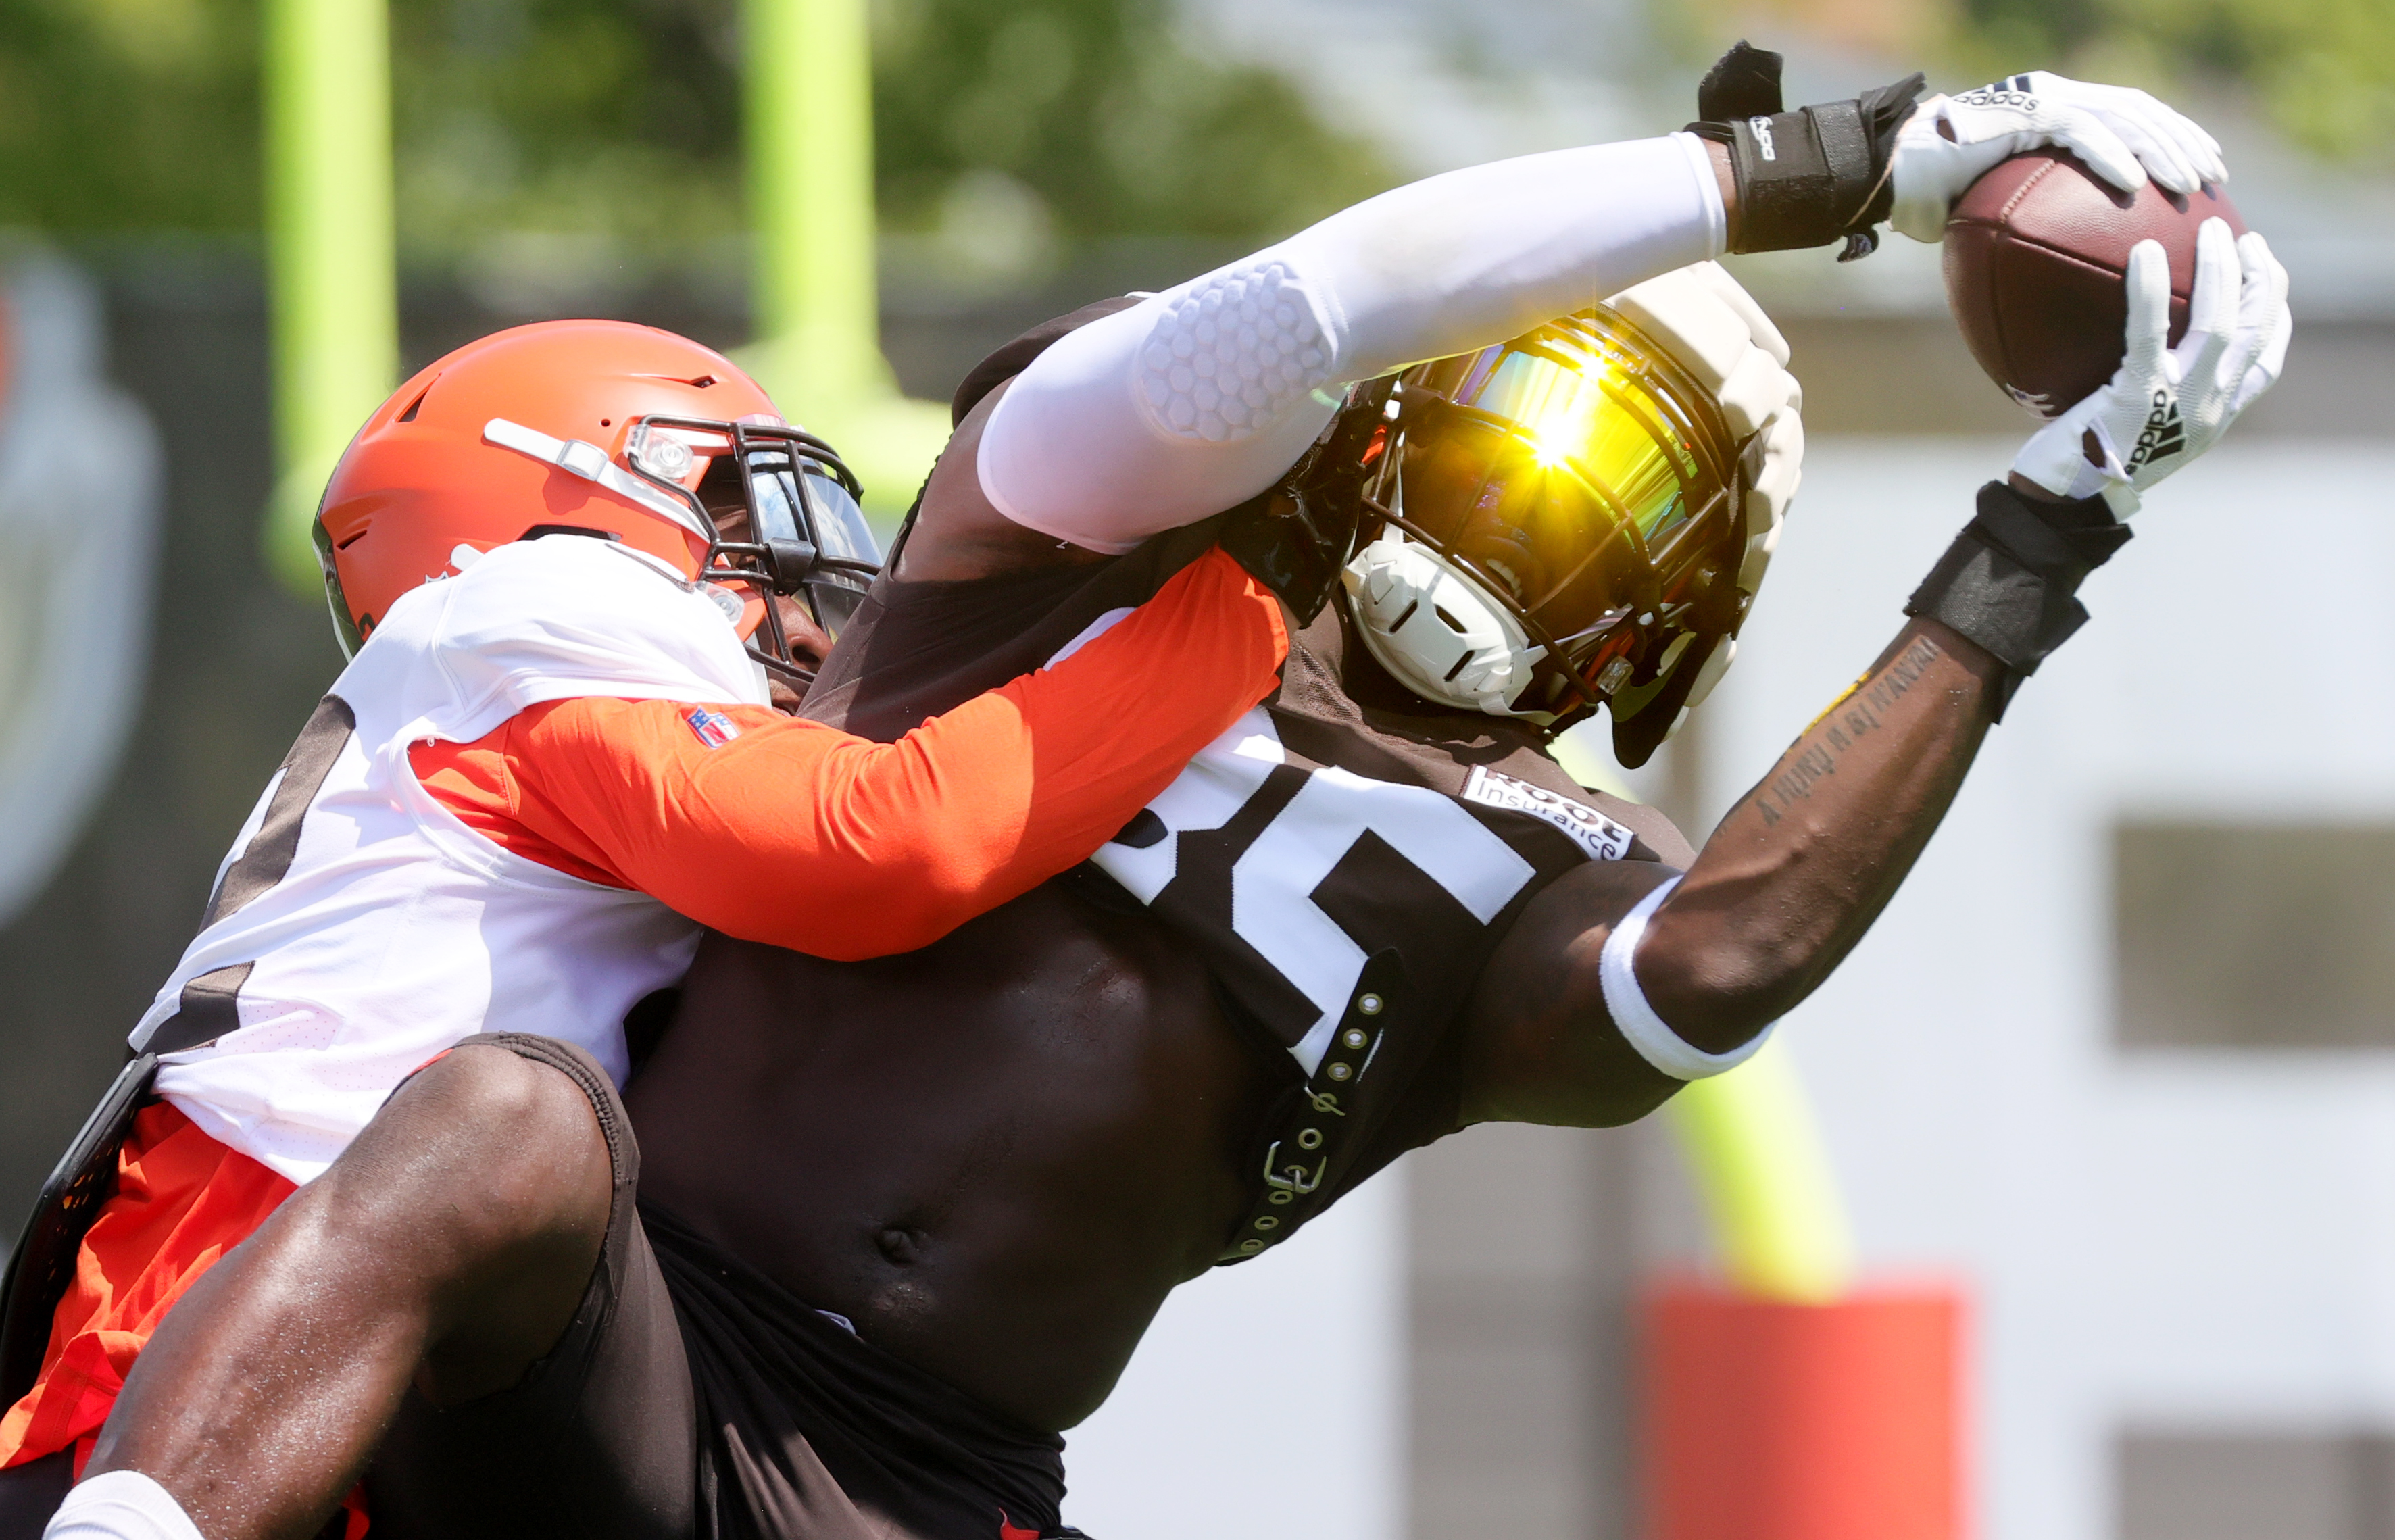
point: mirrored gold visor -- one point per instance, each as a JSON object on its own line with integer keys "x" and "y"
{"x": 1568, "y": 468}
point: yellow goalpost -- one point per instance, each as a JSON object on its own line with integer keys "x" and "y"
{"x": 333, "y": 293}
{"x": 816, "y": 291}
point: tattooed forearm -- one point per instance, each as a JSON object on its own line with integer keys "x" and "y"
{"x": 1853, "y": 716}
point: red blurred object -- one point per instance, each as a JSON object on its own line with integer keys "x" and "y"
{"x": 2035, "y": 254}
{"x": 1768, "y": 1421}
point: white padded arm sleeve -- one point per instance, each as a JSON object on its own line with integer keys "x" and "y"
{"x": 1200, "y": 397}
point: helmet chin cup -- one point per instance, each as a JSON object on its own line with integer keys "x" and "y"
{"x": 1437, "y": 630}
{"x": 1645, "y": 716}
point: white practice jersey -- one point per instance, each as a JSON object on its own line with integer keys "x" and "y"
{"x": 359, "y": 929}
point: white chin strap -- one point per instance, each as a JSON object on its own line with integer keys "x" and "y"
{"x": 1435, "y": 629}
{"x": 580, "y": 458}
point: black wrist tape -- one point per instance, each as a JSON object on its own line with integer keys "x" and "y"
{"x": 1807, "y": 178}
{"x": 2008, "y": 582}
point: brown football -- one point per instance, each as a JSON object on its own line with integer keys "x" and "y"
{"x": 2035, "y": 254}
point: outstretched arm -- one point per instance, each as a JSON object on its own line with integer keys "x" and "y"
{"x": 1800, "y": 868}
{"x": 1614, "y": 988}
{"x": 1196, "y": 399}
{"x": 1200, "y": 397}
{"x": 1192, "y": 400}
{"x": 1783, "y": 890}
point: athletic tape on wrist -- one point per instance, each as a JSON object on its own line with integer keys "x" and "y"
{"x": 1645, "y": 1031}
{"x": 2006, "y": 582}
{"x": 1806, "y": 178}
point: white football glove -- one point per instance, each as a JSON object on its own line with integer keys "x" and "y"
{"x": 1713, "y": 328}
{"x": 2123, "y": 134}
{"x": 2167, "y": 405}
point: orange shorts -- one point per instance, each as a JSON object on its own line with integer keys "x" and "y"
{"x": 182, "y": 1201}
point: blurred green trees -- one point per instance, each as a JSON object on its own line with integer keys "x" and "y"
{"x": 599, "y": 117}
{"x": 2323, "y": 71}
{"x": 128, "y": 114}
{"x": 620, "y": 119}
{"x": 1095, "y": 106}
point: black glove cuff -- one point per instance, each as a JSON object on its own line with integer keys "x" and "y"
{"x": 1806, "y": 178}
{"x": 2008, "y": 581}
{"x": 1742, "y": 82}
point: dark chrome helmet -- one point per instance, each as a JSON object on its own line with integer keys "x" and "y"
{"x": 1540, "y": 528}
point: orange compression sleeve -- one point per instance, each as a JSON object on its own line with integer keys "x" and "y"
{"x": 801, "y": 836}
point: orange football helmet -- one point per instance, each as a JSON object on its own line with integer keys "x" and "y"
{"x": 598, "y": 428}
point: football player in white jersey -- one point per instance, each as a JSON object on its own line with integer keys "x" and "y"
{"x": 568, "y": 561}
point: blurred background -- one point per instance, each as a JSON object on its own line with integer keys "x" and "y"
{"x": 2116, "y": 1073}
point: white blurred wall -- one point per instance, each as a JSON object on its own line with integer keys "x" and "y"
{"x": 1268, "y": 1402}
{"x": 2192, "y": 1238}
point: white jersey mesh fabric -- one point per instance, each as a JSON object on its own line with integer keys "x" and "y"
{"x": 396, "y": 931}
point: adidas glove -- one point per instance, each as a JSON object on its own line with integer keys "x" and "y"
{"x": 2124, "y": 136}
{"x": 2166, "y": 405}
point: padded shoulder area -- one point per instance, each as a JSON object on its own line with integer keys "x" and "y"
{"x": 543, "y": 620}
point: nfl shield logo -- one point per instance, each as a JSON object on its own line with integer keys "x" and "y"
{"x": 714, "y": 728}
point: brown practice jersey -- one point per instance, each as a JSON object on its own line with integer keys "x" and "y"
{"x": 1343, "y": 860}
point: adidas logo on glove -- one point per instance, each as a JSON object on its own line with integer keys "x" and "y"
{"x": 2164, "y": 433}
